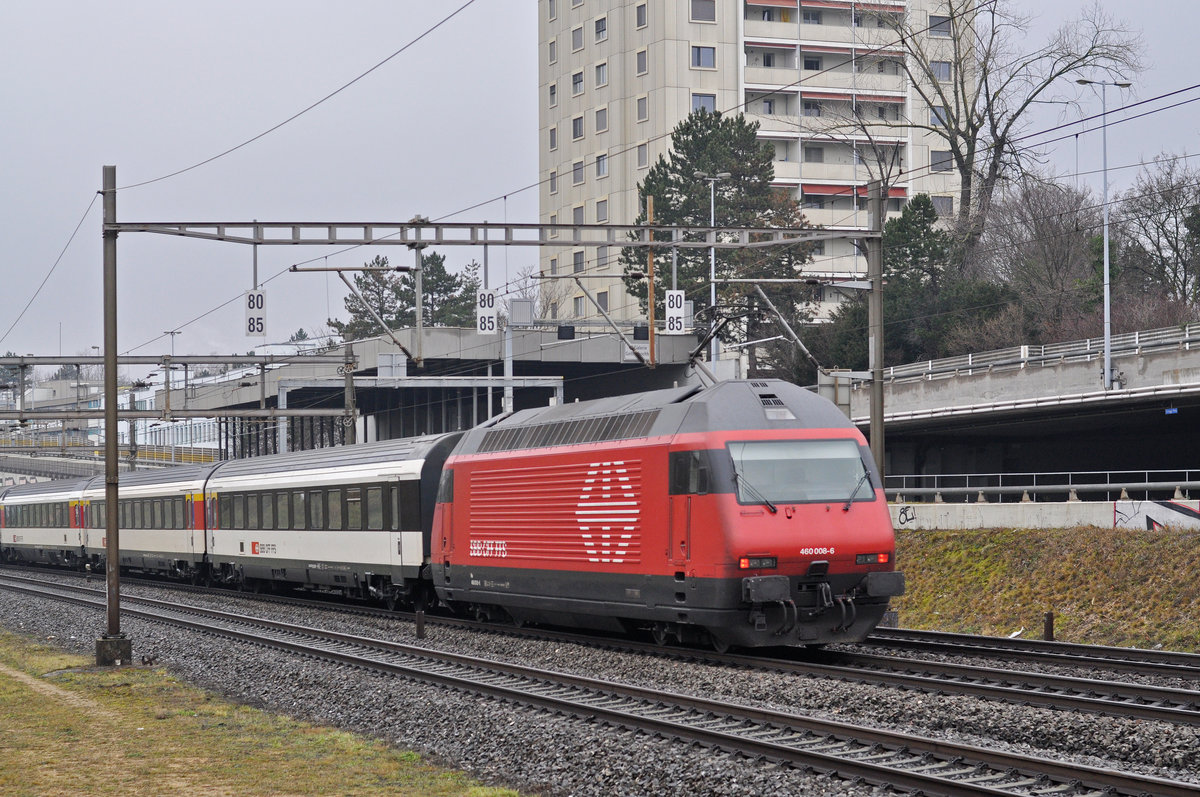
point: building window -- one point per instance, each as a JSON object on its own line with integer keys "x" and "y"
{"x": 552, "y": 9}
{"x": 812, "y": 108}
{"x": 554, "y": 265}
{"x": 577, "y": 84}
{"x": 579, "y": 305}
{"x": 577, "y": 263}
{"x": 818, "y": 248}
{"x": 944, "y": 205}
{"x": 554, "y": 138}
{"x": 601, "y": 29}
{"x": 642, "y": 62}
{"x": 576, "y": 39}
{"x": 577, "y": 128}
{"x": 602, "y": 166}
{"x": 553, "y": 221}
{"x": 888, "y": 67}
{"x": 863, "y": 19}
{"x": 552, "y": 51}
{"x": 882, "y": 112}
{"x": 811, "y": 17}
{"x": 602, "y": 259}
{"x": 941, "y": 160}
{"x": 577, "y": 173}
{"x": 939, "y": 26}
{"x": 704, "y": 57}
{"x": 643, "y": 109}
{"x": 704, "y": 102}
{"x": 813, "y": 202}
{"x": 576, "y": 3}
{"x": 814, "y": 154}
{"x": 938, "y": 115}
{"x": 768, "y": 60}
{"x": 812, "y": 63}
{"x": 941, "y": 70}
{"x": 601, "y": 211}
{"x": 768, "y": 107}
{"x": 553, "y": 95}
{"x": 704, "y": 10}
{"x": 643, "y": 156}
{"x": 639, "y": 15}
{"x": 577, "y": 215}
{"x": 601, "y": 120}
{"x": 554, "y": 182}
{"x": 601, "y": 75}
{"x": 553, "y": 310}
{"x": 602, "y": 300}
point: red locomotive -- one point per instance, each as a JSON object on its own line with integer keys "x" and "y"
{"x": 749, "y": 513}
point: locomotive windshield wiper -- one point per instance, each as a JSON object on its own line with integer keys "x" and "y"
{"x": 750, "y": 488}
{"x": 854, "y": 492}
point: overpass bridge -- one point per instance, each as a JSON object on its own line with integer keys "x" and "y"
{"x": 1043, "y": 408}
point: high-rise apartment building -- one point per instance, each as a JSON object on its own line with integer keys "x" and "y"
{"x": 823, "y": 78}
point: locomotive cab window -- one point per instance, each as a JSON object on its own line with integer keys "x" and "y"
{"x": 792, "y": 471}
{"x": 689, "y": 472}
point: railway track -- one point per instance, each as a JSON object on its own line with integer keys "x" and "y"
{"x": 1105, "y": 697}
{"x": 1159, "y": 662}
{"x": 884, "y": 758}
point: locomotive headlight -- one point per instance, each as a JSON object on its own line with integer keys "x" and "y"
{"x": 758, "y": 562}
{"x": 872, "y": 558}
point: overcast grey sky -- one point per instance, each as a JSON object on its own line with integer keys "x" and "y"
{"x": 154, "y": 87}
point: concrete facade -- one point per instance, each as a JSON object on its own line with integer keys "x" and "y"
{"x": 1131, "y": 515}
{"x": 822, "y": 79}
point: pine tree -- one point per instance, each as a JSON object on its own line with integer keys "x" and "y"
{"x": 713, "y": 144}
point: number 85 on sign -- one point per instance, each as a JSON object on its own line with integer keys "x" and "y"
{"x": 256, "y": 314}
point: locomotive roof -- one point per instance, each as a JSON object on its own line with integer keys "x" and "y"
{"x": 730, "y": 405}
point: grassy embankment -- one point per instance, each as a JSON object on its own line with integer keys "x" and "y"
{"x": 140, "y": 731}
{"x": 1105, "y": 586}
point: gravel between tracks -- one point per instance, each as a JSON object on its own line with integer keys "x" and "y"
{"x": 543, "y": 753}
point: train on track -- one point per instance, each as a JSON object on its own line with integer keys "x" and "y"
{"x": 748, "y": 513}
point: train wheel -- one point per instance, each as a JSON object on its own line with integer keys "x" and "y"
{"x": 660, "y": 634}
{"x": 719, "y": 644}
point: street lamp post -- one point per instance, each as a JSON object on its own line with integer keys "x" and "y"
{"x": 1103, "y": 84}
{"x": 712, "y": 254}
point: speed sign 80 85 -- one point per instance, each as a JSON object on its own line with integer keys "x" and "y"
{"x": 486, "y": 312}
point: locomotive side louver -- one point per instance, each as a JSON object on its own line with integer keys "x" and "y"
{"x": 565, "y": 433}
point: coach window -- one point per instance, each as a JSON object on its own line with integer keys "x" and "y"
{"x": 224, "y": 510}
{"x": 354, "y": 508}
{"x": 299, "y": 515}
{"x": 156, "y": 514}
{"x": 252, "y": 510}
{"x": 239, "y": 512}
{"x": 374, "y": 508}
{"x": 316, "y": 508}
{"x": 268, "y": 510}
{"x": 335, "y": 510}
{"x": 282, "y": 516}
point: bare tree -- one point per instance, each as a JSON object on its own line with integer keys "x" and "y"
{"x": 1159, "y": 225}
{"x": 1040, "y": 240}
{"x": 972, "y": 64}
{"x": 547, "y": 295}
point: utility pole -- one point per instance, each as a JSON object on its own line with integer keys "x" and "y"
{"x": 349, "y": 421}
{"x": 113, "y": 648}
{"x": 650, "y": 279}
{"x": 875, "y": 315}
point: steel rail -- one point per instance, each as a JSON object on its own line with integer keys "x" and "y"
{"x": 1158, "y": 662}
{"x": 882, "y": 758}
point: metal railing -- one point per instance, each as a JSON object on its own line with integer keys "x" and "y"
{"x": 1112, "y": 485}
{"x": 1050, "y": 354}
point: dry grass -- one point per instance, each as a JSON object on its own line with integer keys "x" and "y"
{"x": 140, "y": 731}
{"x": 1108, "y": 587}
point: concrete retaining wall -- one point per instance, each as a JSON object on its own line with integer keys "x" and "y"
{"x": 1104, "y": 514}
